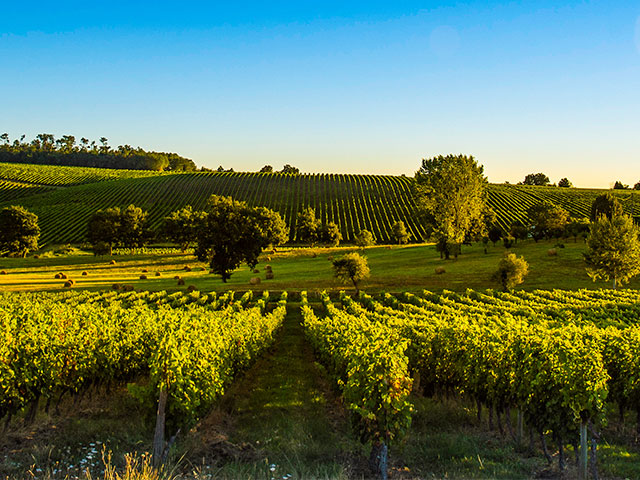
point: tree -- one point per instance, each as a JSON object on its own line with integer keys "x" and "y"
{"x": 564, "y": 182}
{"x": 620, "y": 186}
{"x": 181, "y": 227}
{"x": 330, "y": 234}
{"x": 578, "y": 227}
{"x": 636, "y": 186}
{"x": 266, "y": 169}
{"x": 546, "y": 220}
{"x": 232, "y": 232}
{"x": 495, "y": 234}
{"x": 364, "y": 239}
{"x": 291, "y": 170}
{"x": 607, "y": 205}
{"x": 511, "y": 271}
{"x": 19, "y": 231}
{"x": 519, "y": 232}
{"x": 451, "y": 193}
{"x": 351, "y": 267}
{"x": 536, "y": 179}
{"x": 134, "y": 232}
{"x": 613, "y": 249}
{"x": 104, "y": 229}
{"x": 399, "y": 232}
{"x": 308, "y": 226}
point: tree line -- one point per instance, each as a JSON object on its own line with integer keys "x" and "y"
{"x": 46, "y": 149}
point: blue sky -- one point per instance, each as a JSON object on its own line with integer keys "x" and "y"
{"x": 357, "y": 87}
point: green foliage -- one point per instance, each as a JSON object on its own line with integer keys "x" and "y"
{"x": 451, "y": 191}
{"x": 494, "y": 234}
{"x": 613, "y": 249}
{"x": 536, "y": 179}
{"x": 519, "y": 232}
{"x": 511, "y": 271}
{"x": 565, "y": 183}
{"x": 351, "y": 267}
{"x": 19, "y": 231}
{"x": 308, "y": 227}
{"x": 364, "y": 239}
{"x": 290, "y": 170}
{"x": 330, "y": 234}
{"x": 266, "y": 169}
{"x": 400, "y": 233}
{"x": 547, "y": 220}
{"x": 233, "y": 232}
{"x": 115, "y": 227}
{"x": 620, "y": 186}
{"x": 578, "y": 228}
{"x": 607, "y": 205}
{"x": 181, "y": 227}
{"x": 46, "y": 149}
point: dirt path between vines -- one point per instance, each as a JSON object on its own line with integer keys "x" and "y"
{"x": 281, "y": 418}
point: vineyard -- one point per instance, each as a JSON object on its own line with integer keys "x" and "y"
{"x": 188, "y": 347}
{"x": 65, "y": 197}
{"x": 555, "y": 357}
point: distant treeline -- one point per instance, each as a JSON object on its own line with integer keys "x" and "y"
{"x": 45, "y": 149}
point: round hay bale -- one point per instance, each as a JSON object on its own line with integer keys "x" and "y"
{"x": 85, "y": 273}
{"x": 269, "y": 275}
{"x": 440, "y": 270}
{"x": 187, "y": 268}
{"x": 3, "y": 272}
{"x": 63, "y": 276}
{"x": 255, "y": 270}
{"x": 255, "y": 281}
{"x": 158, "y": 274}
{"x": 192, "y": 288}
{"x": 112, "y": 262}
{"x": 57, "y": 276}
{"x": 128, "y": 288}
{"x": 552, "y": 252}
{"x": 177, "y": 277}
{"x": 36, "y": 256}
{"x": 181, "y": 282}
{"x": 144, "y": 270}
{"x": 117, "y": 286}
{"x": 143, "y": 277}
{"x": 267, "y": 268}
{"x": 68, "y": 284}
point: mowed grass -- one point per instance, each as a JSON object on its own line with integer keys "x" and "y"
{"x": 393, "y": 269}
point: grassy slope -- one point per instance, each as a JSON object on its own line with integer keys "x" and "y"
{"x": 393, "y": 269}
{"x": 354, "y": 202}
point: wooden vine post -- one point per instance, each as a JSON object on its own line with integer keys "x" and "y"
{"x": 584, "y": 450}
{"x": 158, "y": 437}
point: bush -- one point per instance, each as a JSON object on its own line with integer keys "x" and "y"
{"x": 511, "y": 271}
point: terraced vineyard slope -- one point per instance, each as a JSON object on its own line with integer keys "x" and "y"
{"x": 65, "y": 197}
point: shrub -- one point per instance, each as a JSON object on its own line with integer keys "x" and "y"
{"x": 351, "y": 267}
{"x": 511, "y": 271}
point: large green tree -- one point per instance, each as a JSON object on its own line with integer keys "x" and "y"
{"x": 613, "y": 249}
{"x": 605, "y": 204}
{"x": 308, "y": 227}
{"x": 104, "y": 229}
{"x": 536, "y": 179}
{"x": 19, "y": 231}
{"x": 351, "y": 267}
{"x": 547, "y": 220}
{"x": 233, "y": 232}
{"x": 451, "y": 192}
{"x": 181, "y": 227}
{"x": 134, "y": 230}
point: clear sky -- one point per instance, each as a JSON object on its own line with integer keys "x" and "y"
{"x": 356, "y": 87}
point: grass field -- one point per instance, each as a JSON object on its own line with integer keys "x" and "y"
{"x": 393, "y": 269}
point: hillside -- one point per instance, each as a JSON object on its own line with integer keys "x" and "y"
{"x": 65, "y": 197}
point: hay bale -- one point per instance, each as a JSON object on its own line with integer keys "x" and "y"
{"x": 177, "y": 277}
{"x": 158, "y": 274}
{"x": 181, "y": 282}
{"x": 269, "y": 275}
{"x": 268, "y": 268}
{"x": 64, "y": 276}
{"x": 85, "y": 273}
{"x": 117, "y": 286}
{"x": 187, "y": 268}
{"x": 3, "y": 272}
{"x": 144, "y": 270}
{"x": 255, "y": 270}
{"x": 440, "y": 270}
{"x": 143, "y": 277}
{"x": 128, "y": 288}
{"x": 68, "y": 284}
{"x": 57, "y": 276}
{"x": 36, "y": 256}
{"x": 552, "y": 252}
{"x": 112, "y": 262}
{"x": 192, "y": 288}
{"x": 255, "y": 281}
